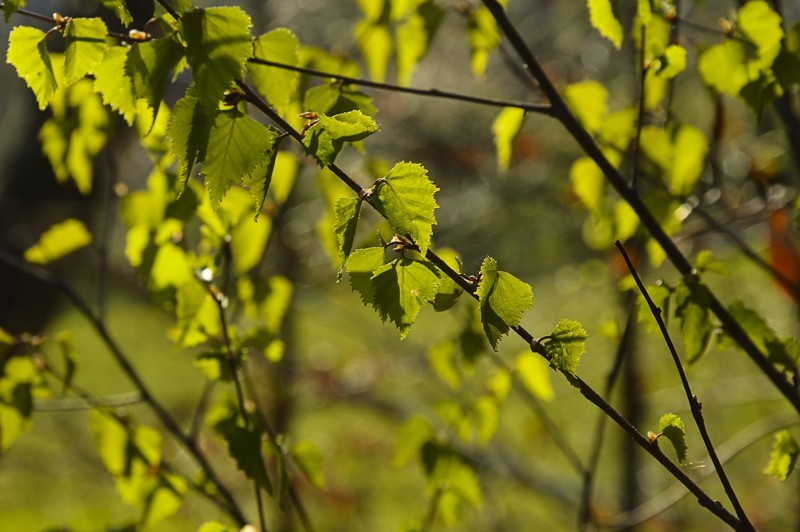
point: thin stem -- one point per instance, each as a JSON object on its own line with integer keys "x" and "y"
{"x": 694, "y": 403}
{"x": 586, "y": 390}
{"x": 123, "y": 361}
{"x": 647, "y": 218}
{"x": 434, "y": 93}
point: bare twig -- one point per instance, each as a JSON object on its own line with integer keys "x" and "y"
{"x": 694, "y": 403}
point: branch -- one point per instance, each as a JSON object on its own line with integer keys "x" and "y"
{"x": 46, "y": 276}
{"x": 587, "y": 391}
{"x": 694, "y": 404}
{"x": 586, "y": 142}
{"x": 434, "y": 93}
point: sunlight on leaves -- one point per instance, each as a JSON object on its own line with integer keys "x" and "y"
{"x": 61, "y": 239}
{"x": 671, "y": 427}
{"x": 783, "y": 457}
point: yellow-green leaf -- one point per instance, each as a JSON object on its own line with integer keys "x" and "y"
{"x": 588, "y": 100}
{"x": 27, "y": 51}
{"x": 784, "y": 455}
{"x": 85, "y": 43}
{"x": 61, "y": 239}
{"x": 505, "y": 128}
{"x": 604, "y": 16}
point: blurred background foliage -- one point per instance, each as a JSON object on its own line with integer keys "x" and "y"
{"x": 346, "y": 383}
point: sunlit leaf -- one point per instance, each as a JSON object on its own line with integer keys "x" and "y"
{"x": 589, "y": 184}
{"x": 449, "y": 291}
{"x": 442, "y": 358}
{"x": 604, "y": 16}
{"x": 671, "y": 427}
{"x": 309, "y": 459}
{"x": 325, "y": 139}
{"x": 374, "y": 40}
{"x": 505, "y": 128}
{"x": 763, "y": 27}
{"x": 401, "y": 289}
{"x": 336, "y": 98}
{"x": 534, "y": 373}
{"x": 148, "y": 65}
{"x": 672, "y": 62}
{"x": 483, "y": 36}
{"x": 61, "y": 239}
{"x": 405, "y": 196}
{"x": 724, "y": 67}
{"x": 16, "y": 399}
{"x": 188, "y": 131}
{"x": 588, "y": 100}
{"x": 784, "y": 455}
{"x": 487, "y": 418}
{"x": 503, "y": 300}
{"x": 119, "y": 9}
{"x": 278, "y": 85}
{"x": 414, "y": 36}
{"x": 27, "y": 51}
{"x": 217, "y": 47}
{"x": 566, "y": 346}
{"x": 347, "y": 211}
{"x": 85, "y": 40}
{"x": 686, "y": 170}
{"x": 113, "y": 85}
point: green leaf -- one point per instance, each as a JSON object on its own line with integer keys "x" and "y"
{"x": 27, "y": 52}
{"x": 11, "y": 6}
{"x": 61, "y": 239}
{"x": 534, "y": 373}
{"x": 365, "y": 260}
{"x": 413, "y": 38}
{"x": 671, "y": 427}
{"x": 566, "y": 346}
{"x": 85, "y": 40}
{"x": 309, "y": 459}
{"x": 336, "y": 98}
{"x": 588, "y": 100}
{"x": 443, "y": 362}
{"x": 672, "y": 62}
{"x": 405, "y": 196}
{"x": 113, "y": 85}
{"x": 119, "y": 9}
{"x": 188, "y": 131}
{"x": 604, "y": 16}
{"x": 784, "y": 455}
{"x": 148, "y": 65}
{"x": 723, "y": 67}
{"x": 244, "y": 444}
{"x": 348, "y": 211}
{"x": 325, "y": 139}
{"x": 483, "y": 36}
{"x": 449, "y": 291}
{"x": 692, "y": 300}
{"x": 505, "y": 128}
{"x": 259, "y": 180}
{"x": 687, "y": 168}
{"x": 410, "y": 438}
{"x": 236, "y": 146}
{"x": 487, "y": 418}
{"x": 374, "y": 40}
{"x": 278, "y": 85}
{"x": 402, "y": 288}
{"x": 503, "y": 300}
{"x": 16, "y": 398}
{"x": 217, "y": 47}
{"x": 589, "y": 184}
{"x": 763, "y": 27}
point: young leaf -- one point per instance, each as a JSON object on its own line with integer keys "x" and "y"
{"x": 413, "y": 37}
{"x": 763, "y": 27}
{"x": 589, "y": 184}
{"x": 588, "y": 100}
{"x": 16, "y": 398}
{"x": 406, "y": 198}
{"x": 724, "y": 67}
{"x": 505, "y": 128}
{"x": 85, "y": 40}
{"x": 188, "y": 130}
{"x": 336, "y": 98}
{"x": 259, "y": 180}
{"x": 503, "y": 299}
{"x": 119, "y": 9}
{"x": 61, "y": 239}
{"x": 671, "y": 426}
{"x": 442, "y": 358}
{"x": 449, "y": 291}
{"x": 692, "y": 300}
{"x": 410, "y": 439}
{"x": 113, "y": 85}
{"x": 604, "y": 16}
{"x": 278, "y": 85}
{"x": 487, "y": 418}
{"x": 325, "y": 139}
{"x": 483, "y": 36}
{"x": 348, "y": 211}
{"x": 217, "y": 47}
{"x": 784, "y": 455}
{"x": 566, "y": 345}
{"x": 27, "y": 52}
{"x": 365, "y": 260}
{"x": 374, "y": 40}
{"x": 686, "y": 170}
{"x": 148, "y": 65}
{"x": 236, "y": 146}
{"x": 534, "y": 373}
{"x": 402, "y": 288}
{"x": 309, "y": 459}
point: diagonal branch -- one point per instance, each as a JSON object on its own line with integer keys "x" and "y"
{"x": 586, "y": 142}
{"x": 694, "y": 404}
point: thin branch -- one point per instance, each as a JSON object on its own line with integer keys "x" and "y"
{"x": 586, "y": 390}
{"x": 434, "y": 93}
{"x": 43, "y": 274}
{"x": 694, "y": 404}
{"x": 647, "y": 218}
{"x": 87, "y": 403}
